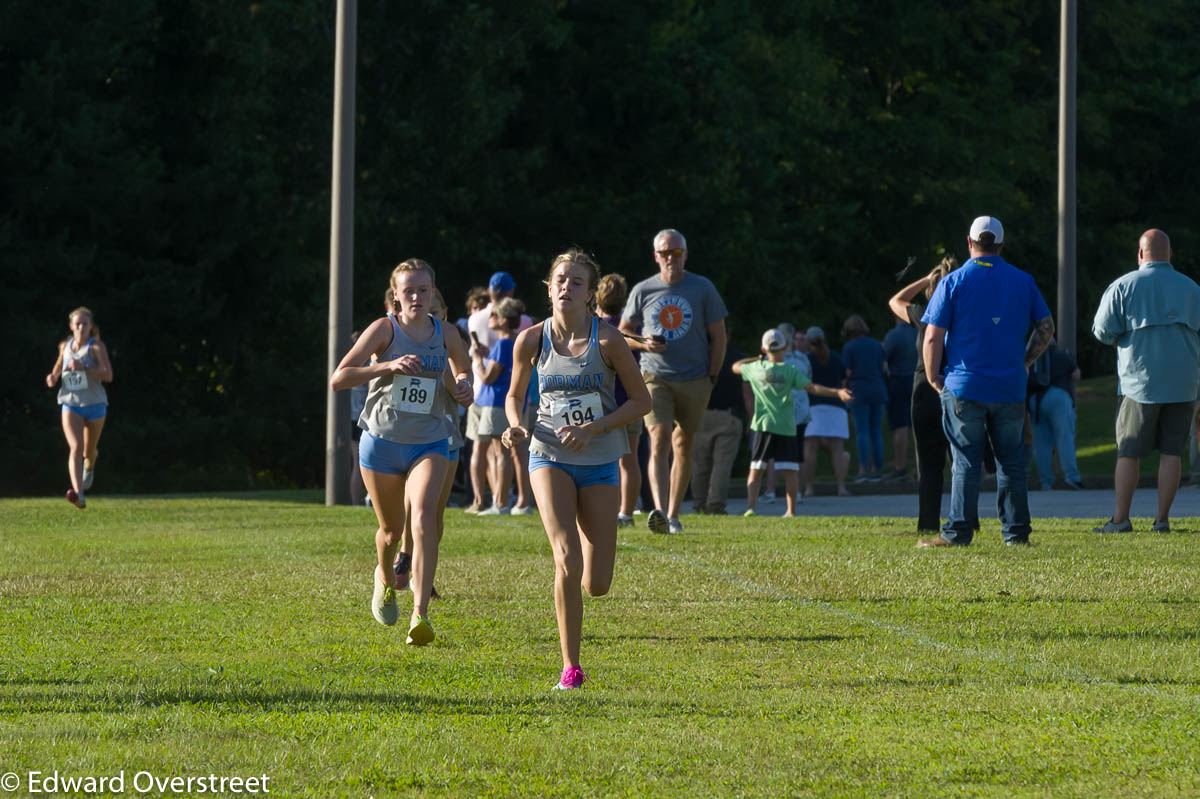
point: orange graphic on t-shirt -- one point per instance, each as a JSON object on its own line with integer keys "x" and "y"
{"x": 670, "y": 317}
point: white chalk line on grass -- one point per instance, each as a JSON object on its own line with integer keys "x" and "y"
{"x": 1065, "y": 674}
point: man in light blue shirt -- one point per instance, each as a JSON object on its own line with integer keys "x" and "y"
{"x": 1152, "y": 317}
{"x": 980, "y": 315}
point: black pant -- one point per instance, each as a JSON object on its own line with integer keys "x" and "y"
{"x": 932, "y": 449}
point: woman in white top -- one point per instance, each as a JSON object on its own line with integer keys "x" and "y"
{"x": 84, "y": 367}
{"x": 577, "y": 440}
{"x": 405, "y": 441}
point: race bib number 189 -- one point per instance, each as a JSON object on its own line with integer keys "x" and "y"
{"x": 577, "y": 411}
{"x": 413, "y": 394}
{"x": 75, "y": 380}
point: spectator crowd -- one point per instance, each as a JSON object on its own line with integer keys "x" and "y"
{"x": 970, "y": 371}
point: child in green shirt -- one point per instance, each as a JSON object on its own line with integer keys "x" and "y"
{"x": 773, "y": 429}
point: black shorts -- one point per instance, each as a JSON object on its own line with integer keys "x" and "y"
{"x": 784, "y": 450}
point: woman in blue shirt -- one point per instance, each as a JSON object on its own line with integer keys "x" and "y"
{"x": 496, "y": 376}
{"x": 867, "y": 380}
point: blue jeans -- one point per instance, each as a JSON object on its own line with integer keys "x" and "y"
{"x": 1054, "y": 427}
{"x": 968, "y": 424}
{"x": 868, "y": 434}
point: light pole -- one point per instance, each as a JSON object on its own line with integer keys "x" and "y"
{"x": 1066, "y": 180}
{"x": 341, "y": 255}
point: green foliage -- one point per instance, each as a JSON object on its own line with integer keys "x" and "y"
{"x": 767, "y": 657}
{"x": 167, "y": 163}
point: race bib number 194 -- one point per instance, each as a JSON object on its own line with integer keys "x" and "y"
{"x": 413, "y": 394}
{"x": 577, "y": 411}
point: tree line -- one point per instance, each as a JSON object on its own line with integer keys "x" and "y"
{"x": 167, "y": 162}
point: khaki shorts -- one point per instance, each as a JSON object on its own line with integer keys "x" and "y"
{"x": 681, "y": 402}
{"x": 1143, "y": 428}
{"x": 473, "y": 414}
{"x": 492, "y": 422}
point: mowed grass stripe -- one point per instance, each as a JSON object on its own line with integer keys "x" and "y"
{"x": 749, "y": 657}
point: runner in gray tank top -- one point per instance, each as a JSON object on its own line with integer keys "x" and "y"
{"x": 449, "y": 408}
{"x": 405, "y": 443}
{"x": 83, "y": 366}
{"x": 577, "y": 439}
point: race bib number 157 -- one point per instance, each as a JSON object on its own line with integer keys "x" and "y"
{"x": 75, "y": 380}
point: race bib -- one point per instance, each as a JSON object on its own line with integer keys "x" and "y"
{"x": 75, "y": 380}
{"x": 577, "y": 411}
{"x": 413, "y": 394}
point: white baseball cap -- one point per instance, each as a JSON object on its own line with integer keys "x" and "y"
{"x": 987, "y": 224}
{"x": 773, "y": 340}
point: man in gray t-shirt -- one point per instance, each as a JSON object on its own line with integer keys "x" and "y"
{"x": 683, "y": 345}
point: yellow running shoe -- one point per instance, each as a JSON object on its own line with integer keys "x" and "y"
{"x": 420, "y": 632}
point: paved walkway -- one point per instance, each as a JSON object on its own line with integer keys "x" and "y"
{"x": 1088, "y": 504}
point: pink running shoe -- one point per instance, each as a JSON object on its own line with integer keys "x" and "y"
{"x": 76, "y": 499}
{"x": 572, "y": 677}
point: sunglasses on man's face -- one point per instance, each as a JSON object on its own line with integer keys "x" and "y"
{"x": 676, "y": 252}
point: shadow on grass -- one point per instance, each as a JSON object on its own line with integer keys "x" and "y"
{"x": 1179, "y": 636}
{"x": 128, "y": 699}
{"x": 713, "y": 639}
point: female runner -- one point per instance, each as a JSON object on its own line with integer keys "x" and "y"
{"x": 577, "y": 439}
{"x": 404, "y": 556}
{"x": 83, "y": 366}
{"x": 404, "y": 445}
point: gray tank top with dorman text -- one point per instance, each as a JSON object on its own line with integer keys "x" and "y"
{"x": 77, "y": 389}
{"x": 409, "y": 409}
{"x": 575, "y": 389}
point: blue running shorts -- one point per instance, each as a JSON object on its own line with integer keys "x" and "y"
{"x": 88, "y": 412}
{"x": 381, "y": 455}
{"x": 605, "y": 474}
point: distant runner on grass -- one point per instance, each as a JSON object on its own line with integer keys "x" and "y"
{"x": 83, "y": 366}
{"x": 577, "y": 440}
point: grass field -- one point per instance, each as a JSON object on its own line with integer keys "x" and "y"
{"x": 814, "y": 657}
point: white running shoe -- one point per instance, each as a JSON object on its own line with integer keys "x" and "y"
{"x": 89, "y": 474}
{"x": 495, "y": 510}
{"x": 624, "y": 521}
{"x": 521, "y": 510}
{"x": 674, "y": 526}
{"x": 767, "y": 498}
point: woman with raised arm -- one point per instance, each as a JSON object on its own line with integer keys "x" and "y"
{"x": 932, "y": 447}
{"x": 83, "y": 366}
{"x": 405, "y": 443}
{"x": 577, "y": 440}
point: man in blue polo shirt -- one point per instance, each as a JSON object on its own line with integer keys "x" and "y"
{"x": 1152, "y": 317}
{"x": 980, "y": 315}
